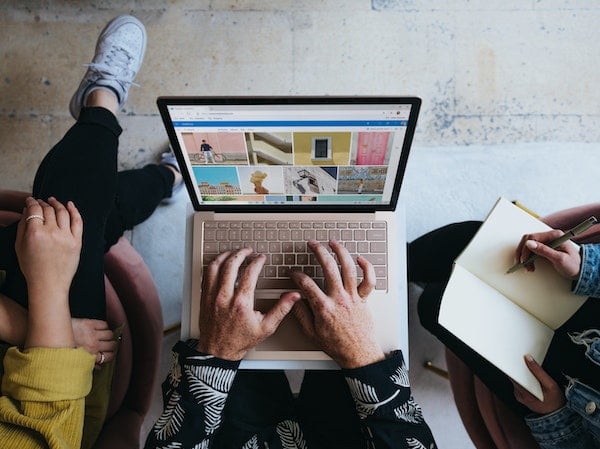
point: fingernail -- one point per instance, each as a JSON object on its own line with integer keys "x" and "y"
{"x": 531, "y": 244}
{"x": 529, "y": 358}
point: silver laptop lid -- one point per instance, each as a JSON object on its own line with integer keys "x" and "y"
{"x": 267, "y": 154}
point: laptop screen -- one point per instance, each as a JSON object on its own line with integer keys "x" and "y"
{"x": 256, "y": 153}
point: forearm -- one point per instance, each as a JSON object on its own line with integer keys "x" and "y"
{"x": 49, "y": 318}
{"x": 13, "y": 321}
{"x": 194, "y": 396}
{"x": 389, "y": 416}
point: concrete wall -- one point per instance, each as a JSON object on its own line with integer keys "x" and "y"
{"x": 489, "y": 71}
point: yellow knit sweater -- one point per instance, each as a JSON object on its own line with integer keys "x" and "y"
{"x": 43, "y": 397}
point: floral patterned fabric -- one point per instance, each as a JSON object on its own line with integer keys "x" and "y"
{"x": 196, "y": 396}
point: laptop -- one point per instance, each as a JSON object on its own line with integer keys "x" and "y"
{"x": 273, "y": 172}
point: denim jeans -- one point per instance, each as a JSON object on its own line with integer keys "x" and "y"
{"x": 577, "y": 424}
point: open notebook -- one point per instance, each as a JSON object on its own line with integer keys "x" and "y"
{"x": 272, "y": 173}
{"x": 505, "y": 316}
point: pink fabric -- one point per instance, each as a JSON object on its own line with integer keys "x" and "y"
{"x": 138, "y": 309}
{"x": 13, "y": 200}
{"x": 8, "y": 217}
{"x": 11, "y": 206}
{"x": 117, "y": 318}
{"x": 130, "y": 276}
{"x": 569, "y": 218}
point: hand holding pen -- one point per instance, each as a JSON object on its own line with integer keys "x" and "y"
{"x": 553, "y": 246}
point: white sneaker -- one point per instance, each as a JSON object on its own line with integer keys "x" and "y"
{"x": 119, "y": 54}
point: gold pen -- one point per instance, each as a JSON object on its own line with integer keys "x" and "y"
{"x": 581, "y": 227}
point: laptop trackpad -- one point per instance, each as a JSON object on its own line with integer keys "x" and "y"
{"x": 288, "y": 337}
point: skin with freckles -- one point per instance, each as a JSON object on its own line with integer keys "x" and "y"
{"x": 229, "y": 326}
{"x": 337, "y": 318}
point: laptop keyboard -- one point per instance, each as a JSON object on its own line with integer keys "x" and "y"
{"x": 284, "y": 244}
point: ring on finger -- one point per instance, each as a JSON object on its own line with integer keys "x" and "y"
{"x": 39, "y": 217}
{"x": 102, "y": 358}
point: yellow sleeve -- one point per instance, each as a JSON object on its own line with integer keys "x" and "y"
{"x": 43, "y": 397}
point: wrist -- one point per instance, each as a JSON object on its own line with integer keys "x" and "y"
{"x": 48, "y": 295}
{"x": 219, "y": 352}
{"x": 361, "y": 359}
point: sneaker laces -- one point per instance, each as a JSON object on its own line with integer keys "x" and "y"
{"x": 115, "y": 67}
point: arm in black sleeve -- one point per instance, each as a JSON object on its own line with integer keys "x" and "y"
{"x": 390, "y": 417}
{"x": 194, "y": 396}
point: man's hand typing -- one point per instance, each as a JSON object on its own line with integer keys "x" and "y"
{"x": 338, "y": 319}
{"x": 229, "y": 325}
